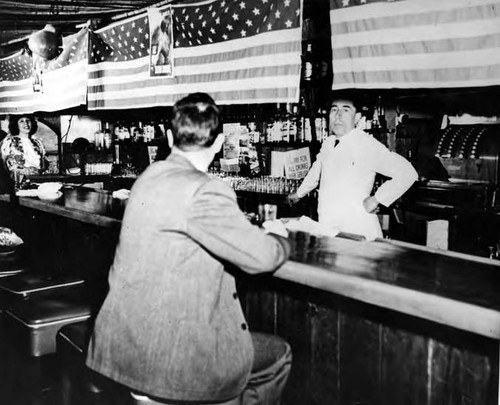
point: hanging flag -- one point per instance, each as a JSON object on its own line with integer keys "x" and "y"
{"x": 415, "y": 43}
{"x": 28, "y": 84}
{"x": 238, "y": 52}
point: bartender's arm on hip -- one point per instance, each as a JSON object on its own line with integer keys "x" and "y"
{"x": 390, "y": 164}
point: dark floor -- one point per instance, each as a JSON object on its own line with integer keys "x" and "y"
{"x": 25, "y": 380}
{"x": 28, "y": 380}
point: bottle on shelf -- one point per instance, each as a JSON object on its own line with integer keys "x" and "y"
{"x": 253, "y": 134}
{"x": 138, "y": 134}
{"x": 381, "y": 114}
{"x": 99, "y": 138}
{"x": 321, "y": 125}
{"x": 294, "y": 126}
{"x": 107, "y": 136}
{"x": 276, "y": 130}
{"x": 308, "y": 64}
{"x": 122, "y": 132}
{"x": 285, "y": 123}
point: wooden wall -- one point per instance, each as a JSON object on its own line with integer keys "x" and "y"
{"x": 349, "y": 353}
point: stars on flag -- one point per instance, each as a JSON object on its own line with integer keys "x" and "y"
{"x": 222, "y": 20}
{"x": 17, "y": 67}
{"x": 127, "y": 41}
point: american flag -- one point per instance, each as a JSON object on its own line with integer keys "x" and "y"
{"x": 415, "y": 43}
{"x": 245, "y": 51}
{"x": 64, "y": 79}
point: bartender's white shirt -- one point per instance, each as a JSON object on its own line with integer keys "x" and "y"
{"x": 346, "y": 174}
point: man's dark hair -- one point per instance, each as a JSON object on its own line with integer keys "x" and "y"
{"x": 195, "y": 122}
{"x": 348, "y": 95}
{"x": 14, "y": 127}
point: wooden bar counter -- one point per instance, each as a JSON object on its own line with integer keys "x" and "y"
{"x": 381, "y": 322}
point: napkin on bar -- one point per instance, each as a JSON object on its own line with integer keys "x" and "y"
{"x": 306, "y": 224}
{"x": 121, "y": 194}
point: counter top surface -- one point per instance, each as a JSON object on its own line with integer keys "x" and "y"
{"x": 96, "y": 207}
{"x": 450, "y": 288}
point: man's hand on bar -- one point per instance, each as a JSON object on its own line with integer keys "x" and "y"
{"x": 292, "y": 199}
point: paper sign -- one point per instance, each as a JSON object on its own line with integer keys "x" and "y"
{"x": 437, "y": 234}
{"x": 161, "y": 43}
{"x": 231, "y": 148}
{"x": 229, "y": 165}
{"x": 278, "y": 161}
{"x": 152, "y": 152}
{"x": 297, "y": 163}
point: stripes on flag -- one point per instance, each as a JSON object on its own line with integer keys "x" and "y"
{"x": 415, "y": 43}
{"x": 64, "y": 79}
{"x": 258, "y": 64}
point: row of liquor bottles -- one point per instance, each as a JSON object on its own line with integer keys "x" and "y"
{"x": 123, "y": 132}
{"x": 290, "y": 123}
{"x": 283, "y": 123}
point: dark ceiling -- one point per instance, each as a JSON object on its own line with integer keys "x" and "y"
{"x": 20, "y": 18}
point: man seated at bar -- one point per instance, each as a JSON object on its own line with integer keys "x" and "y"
{"x": 172, "y": 326}
{"x": 345, "y": 170}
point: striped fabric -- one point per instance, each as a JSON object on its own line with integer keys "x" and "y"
{"x": 415, "y": 43}
{"x": 64, "y": 79}
{"x": 239, "y": 52}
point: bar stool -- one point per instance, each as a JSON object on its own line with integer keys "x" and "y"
{"x": 28, "y": 285}
{"x": 11, "y": 265}
{"x": 79, "y": 384}
{"x": 28, "y": 322}
{"x": 82, "y": 386}
{"x": 29, "y": 331}
{"x": 32, "y": 326}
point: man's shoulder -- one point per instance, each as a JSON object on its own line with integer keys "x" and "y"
{"x": 364, "y": 139}
{"x": 169, "y": 174}
{"x": 360, "y": 134}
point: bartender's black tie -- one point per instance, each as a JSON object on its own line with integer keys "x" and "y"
{"x": 336, "y": 142}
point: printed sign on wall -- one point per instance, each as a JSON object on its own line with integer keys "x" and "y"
{"x": 298, "y": 162}
{"x": 160, "y": 42}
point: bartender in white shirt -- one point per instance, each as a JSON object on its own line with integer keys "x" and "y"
{"x": 345, "y": 170}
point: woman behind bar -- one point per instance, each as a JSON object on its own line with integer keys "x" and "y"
{"x": 172, "y": 326}
{"x": 21, "y": 150}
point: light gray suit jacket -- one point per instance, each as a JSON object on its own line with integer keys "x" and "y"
{"x": 172, "y": 325}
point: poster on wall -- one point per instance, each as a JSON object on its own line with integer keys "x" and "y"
{"x": 160, "y": 42}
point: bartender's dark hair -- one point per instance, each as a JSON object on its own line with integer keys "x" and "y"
{"x": 348, "y": 95}
{"x": 14, "y": 127}
{"x": 195, "y": 122}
